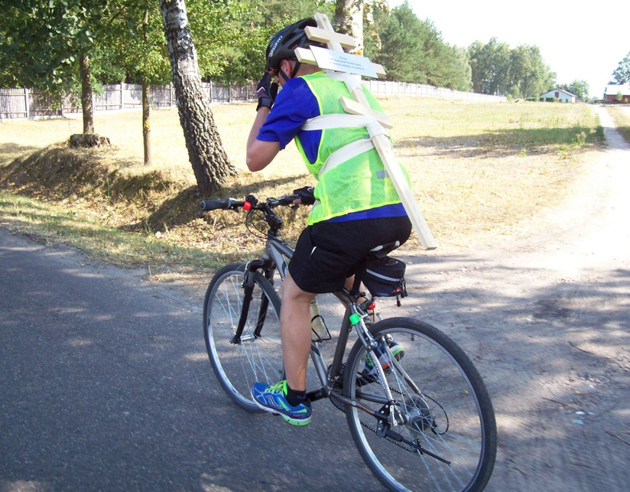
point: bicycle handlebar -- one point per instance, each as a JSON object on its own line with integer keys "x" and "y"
{"x": 228, "y": 203}
{"x": 233, "y": 204}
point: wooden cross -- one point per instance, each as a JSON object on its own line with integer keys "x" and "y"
{"x": 359, "y": 105}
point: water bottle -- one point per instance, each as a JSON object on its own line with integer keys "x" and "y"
{"x": 319, "y": 331}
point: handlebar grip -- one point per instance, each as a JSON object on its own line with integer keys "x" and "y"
{"x": 228, "y": 203}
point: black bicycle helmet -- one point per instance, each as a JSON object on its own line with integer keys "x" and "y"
{"x": 283, "y": 44}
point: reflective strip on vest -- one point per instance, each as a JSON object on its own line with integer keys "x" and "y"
{"x": 344, "y": 154}
{"x": 353, "y": 149}
{"x": 344, "y": 120}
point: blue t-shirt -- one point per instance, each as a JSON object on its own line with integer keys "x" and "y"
{"x": 295, "y": 104}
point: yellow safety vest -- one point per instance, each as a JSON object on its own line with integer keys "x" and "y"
{"x": 345, "y": 185}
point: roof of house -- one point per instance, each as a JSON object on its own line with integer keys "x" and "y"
{"x": 558, "y": 89}
{"x": 613, "y": 90}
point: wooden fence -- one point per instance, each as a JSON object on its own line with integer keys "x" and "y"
{"x": 27, "y": 103}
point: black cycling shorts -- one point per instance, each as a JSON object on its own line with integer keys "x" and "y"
{"x": 327, "y": 252}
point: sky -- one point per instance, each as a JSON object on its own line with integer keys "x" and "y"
{"x": 578, "y": 40}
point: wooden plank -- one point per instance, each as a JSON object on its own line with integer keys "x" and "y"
{"x": 305, "y": 55}
{"x": 323, "y": 36}
{"x": 378, "y": 68}
{"x": 392, "y": 166}
{"x": 354, "y": 107}
{"x": 323, "y": 23}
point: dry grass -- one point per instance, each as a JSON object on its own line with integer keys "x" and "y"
{"x": 477, "y": 169}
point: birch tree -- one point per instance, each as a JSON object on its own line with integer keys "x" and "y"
{"x": 209, "y": 161}
{"x": 349, "y": 20}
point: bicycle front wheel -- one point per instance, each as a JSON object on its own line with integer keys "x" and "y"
{"x": 258, "y": 355}
{"x": 445, "y": 434}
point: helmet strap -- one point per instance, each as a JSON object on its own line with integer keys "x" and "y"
{"x": 295, "y": 69}
{"x": 293, "y": 72}
{"x": 283, "y": 75}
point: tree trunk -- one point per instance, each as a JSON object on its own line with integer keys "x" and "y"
{"x": 210, "y": 163}
{"x": 86, "y": 95}
{"x": 349, "y": 20}
{"x": 146, "y": 126}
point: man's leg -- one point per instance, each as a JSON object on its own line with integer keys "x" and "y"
{"x": 295, "y": 329}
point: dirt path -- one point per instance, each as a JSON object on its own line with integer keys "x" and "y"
{"x": 547, "y": 321}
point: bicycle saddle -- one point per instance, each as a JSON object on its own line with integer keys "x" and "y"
{"x": 383, "y": 250}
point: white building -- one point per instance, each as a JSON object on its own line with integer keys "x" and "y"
{"x": 559, "y": 95}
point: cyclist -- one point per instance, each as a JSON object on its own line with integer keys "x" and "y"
{"x": 356, "y": 207}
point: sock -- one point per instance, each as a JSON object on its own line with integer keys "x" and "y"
{"x": 296, "y": 397}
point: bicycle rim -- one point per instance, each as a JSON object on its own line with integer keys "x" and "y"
{"x": 448, "y": 413}
{"x": 239, "y": 365}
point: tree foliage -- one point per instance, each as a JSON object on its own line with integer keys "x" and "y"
{"x": 621, "y": 75}
{"x": 41, "y": 42}
{"x": 490, "y": 67}
{"x": 48, "y": 46}
{"x": 529, "y": 73}
{"x": 137, "y": 52}
{"x": 578, "y": 87}
{"x": 413, "y": 51}
{"x": 134, "y": 49}
{"x": 232, "y": 36}
{"x": 498, "y": 69}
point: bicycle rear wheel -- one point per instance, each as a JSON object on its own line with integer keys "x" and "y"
{"x": 448, "y": 439}
{"x": 238, "y": 366}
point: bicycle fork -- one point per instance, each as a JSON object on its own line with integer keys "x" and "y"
{"x": 248, "y": 291}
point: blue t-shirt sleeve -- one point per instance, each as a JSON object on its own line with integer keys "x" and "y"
{"x": 294, "y": 105}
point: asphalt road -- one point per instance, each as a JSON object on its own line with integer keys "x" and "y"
{"x": 105, "y": 385}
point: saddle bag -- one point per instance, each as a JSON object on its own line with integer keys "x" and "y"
{"x": 385, "y": 277}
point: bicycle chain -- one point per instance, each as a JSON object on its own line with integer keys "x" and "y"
{"x": 341, "y": 407}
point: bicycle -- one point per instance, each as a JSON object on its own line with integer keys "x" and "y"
{"x": 426, "y": 422}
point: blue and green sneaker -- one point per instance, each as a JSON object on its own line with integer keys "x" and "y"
{"x": 383, "y": 357}
{"x": 273, "y": 398}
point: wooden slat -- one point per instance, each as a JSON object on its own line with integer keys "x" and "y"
{"x": 305, "y": 55}
{"x": 323, "y": 23}
{"x": 353, "y": 107}
{"x": 323, "y": 36}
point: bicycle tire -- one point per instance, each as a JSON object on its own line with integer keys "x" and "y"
{"x": 451, "y": 416}
{"x": 239, "y": 366}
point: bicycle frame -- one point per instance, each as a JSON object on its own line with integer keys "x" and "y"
{"x": 273, "y": 259}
